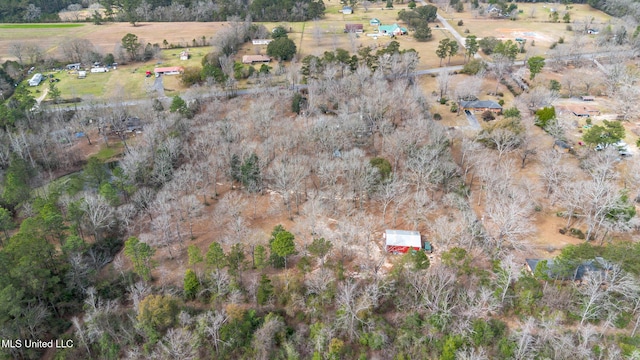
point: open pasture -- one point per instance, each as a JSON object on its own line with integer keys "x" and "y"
{"x": 104, "y": 37}
{"x": 533, "y": 24}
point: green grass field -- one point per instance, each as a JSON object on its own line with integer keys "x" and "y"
{"x": 127, "y": 81}
{"x": 92, "y": 85}
{"x": 39, "y": 26}
{"x": 112, "y": 151}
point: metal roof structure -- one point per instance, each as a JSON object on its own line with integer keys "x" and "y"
{"x": 250, "y": 59}
{"x": 480, "y": 104}
{"x": 403, "y": 238}
{"x": 171, "y": 69}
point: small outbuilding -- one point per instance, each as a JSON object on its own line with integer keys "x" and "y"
{"x": 588, "y": 98}
{"x": 82, "y": 74}
{"x": 347, "y": 10}
{"x": 36, "y": 80}
{"x": 481, "y": 106}
{"x": 184, "y": 55}
{"x": 374, "y": 22}
{"x": 99, "y": 69}
{"x": 585, "y": 111}
{"x": 252, "y": 59}
{"x": 402, "y": 241}
{"x": 261, "y": 41}
{"x": 75, "y": 66}
{"x": 172, "y": 70}
{"x": 353, "y": 28}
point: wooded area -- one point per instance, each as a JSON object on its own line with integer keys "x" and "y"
{"x": 319, "y": 287}
{"x": 233, "y": 223}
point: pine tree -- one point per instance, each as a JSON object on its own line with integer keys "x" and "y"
{"x": 264, "y": 291}
{"x": 215, "y": 256}
{"x": 191, "y": 284}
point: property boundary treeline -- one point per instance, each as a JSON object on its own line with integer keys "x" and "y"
{"x": 40, "y": 26}
{"x": 166, "y": 11}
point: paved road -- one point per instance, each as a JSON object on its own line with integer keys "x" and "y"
{"x": 458, "y": 37}
{"x": 461, "y": 39}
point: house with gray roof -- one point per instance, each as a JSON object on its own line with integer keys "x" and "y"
{"x": 481, "y": 106}
{"x": 573, "y": 272}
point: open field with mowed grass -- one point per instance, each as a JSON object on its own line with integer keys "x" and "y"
{"x": 127, "y": 82}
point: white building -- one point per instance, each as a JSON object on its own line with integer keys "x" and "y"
{"x": 261, "y": 41}
{"x": 35, "y": 80}
{"x": 402, "y": 241}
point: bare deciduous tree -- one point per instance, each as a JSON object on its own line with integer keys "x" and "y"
{"x": 210, "y": 324}
{"x": 179, "y": 344}
{"x": 287, "y": 175}
{"x": 77, "y": 50}
{"x": 264, "y": 340}
{"x": 18, "y": 50}
{"x": 99, "y": 214}
{"x": 508, "y": 273}
{"x": 444, "y": 77}
{"x": 600, "y": 289}
{"x": 508, "y": 219}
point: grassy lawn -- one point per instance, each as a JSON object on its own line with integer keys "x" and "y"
{"x": 107, "y": 153}
{"x": 127, "y": 82}
{"x": 532, "y": 24}
{"x": 92, "y": 85}
{"x": 328, "y": 35}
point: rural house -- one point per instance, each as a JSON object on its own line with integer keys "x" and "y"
{"x": 570, "y": 272}
{"x": 172, "y": 70}
{"x": 585, "y": 111}
{"x": 481, "y": 106}
{"x": 401, "y": 241}
{"x": 75, "y": 66}
{"x": 35, "y": 80}
{"x": 390, "y": 30}
{"x": 494, "y": 10}
{"x": 374, "y": 22}
{"x": 252, "y": 59}
{"x": 353, "y": 28}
